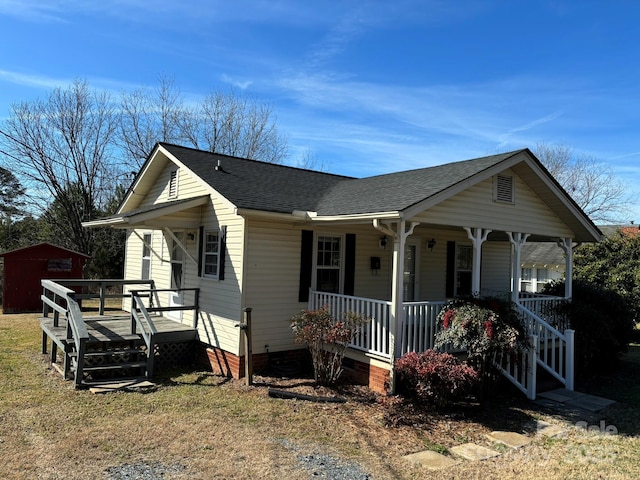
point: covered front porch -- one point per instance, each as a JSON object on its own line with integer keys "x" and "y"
{"x": 432, "y": 264}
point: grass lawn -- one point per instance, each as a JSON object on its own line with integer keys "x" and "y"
{"x": 199, "y": 426}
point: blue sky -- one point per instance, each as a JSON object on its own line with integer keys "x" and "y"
{"x": 368, "y": 86}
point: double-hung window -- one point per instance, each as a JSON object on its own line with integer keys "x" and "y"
{"x": 211, "y": 253}
{"x": 329, "y": 263}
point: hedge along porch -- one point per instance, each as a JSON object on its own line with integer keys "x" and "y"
{"x": 252, "y": 234}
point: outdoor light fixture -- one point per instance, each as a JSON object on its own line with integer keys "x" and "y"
{"x": 430, "y": 244}
{"x": 383, "y": 242}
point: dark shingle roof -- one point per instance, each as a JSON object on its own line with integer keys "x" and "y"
{"x": 258, "y": 185}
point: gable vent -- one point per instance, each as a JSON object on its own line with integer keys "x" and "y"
{"x": 503, "y": 189}
{"x": 173, "y": 184}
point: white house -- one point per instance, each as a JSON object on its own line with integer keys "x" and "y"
{"x": 280, "y": 239}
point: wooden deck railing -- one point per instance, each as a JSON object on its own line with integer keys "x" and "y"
{"x": 59, "y": 299}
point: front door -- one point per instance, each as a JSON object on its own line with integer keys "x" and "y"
{"x": 410, "y": 283}
{"x": 177, "y": 276}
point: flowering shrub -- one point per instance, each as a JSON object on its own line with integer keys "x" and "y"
{"x": 327, "y": 339}
{"x": 481, "y": 327}
{"x": 437, "y": 378}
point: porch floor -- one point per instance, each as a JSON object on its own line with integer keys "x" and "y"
{"x": 117, "y": 328}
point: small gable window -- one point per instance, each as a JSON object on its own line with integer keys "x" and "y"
{"x": 503, "y": 188}
{"x": 173, "y": 184}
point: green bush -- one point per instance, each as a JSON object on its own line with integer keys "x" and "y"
{"x": 603, "y": 322}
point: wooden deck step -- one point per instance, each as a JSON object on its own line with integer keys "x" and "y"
{"x": 114, "y": 366}
{"x": 104, "y": 353}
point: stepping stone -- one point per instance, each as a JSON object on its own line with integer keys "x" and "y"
{"x": 561, "y": 395}
{"x": 431, "y": 460}
{"x": 471, "y": 451}
{"x": 551, "y": 431}
{"x": 591, "y": 403}
{"x": 510, "y": 439}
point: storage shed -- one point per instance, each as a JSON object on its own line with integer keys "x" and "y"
{"x": 24, "y": 268}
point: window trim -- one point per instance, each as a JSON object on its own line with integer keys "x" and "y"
{"x": 148, "y": 247}
{"x": 217, "y": 254}
{"x": 341, "y": 268}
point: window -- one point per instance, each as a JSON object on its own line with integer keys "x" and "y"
{"x": 146, "y": 256}
{"x": 211, "y": 254}
{"x": 173, "y": 184}
{"x": 503, "y": 189}
{"x": 328, "y": 263}
{"x": 464, "y": 269}
{"x": 543, "y": 277}
{"x": 525, "y": 280}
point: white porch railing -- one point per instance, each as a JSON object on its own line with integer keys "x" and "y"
{"x": 420, "y": 326}
{"x": 551, "y": 349}
{"x": 374, "y": 336}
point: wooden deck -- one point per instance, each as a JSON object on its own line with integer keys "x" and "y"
{"x": 117, "y": 328}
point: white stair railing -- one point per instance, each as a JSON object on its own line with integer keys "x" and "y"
{"x": 555, "y": 350}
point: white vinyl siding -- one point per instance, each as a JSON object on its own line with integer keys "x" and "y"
{"x": 475, "y": 207}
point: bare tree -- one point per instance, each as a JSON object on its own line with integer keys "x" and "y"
{"x": 234, "y": 125}
{"x": 61, "y": 149}
{"x": 591, "y": 183}
{"x": 231, "y": 124}
{"x": 147, "y": 117}
{"x": 309, "y": 160}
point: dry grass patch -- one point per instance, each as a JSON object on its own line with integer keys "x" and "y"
{"x": 197, "y": 425}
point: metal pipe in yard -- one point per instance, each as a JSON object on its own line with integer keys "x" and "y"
{"x": 248, "y": 363}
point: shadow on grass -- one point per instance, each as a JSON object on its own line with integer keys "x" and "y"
{"x": 189, "y": 376}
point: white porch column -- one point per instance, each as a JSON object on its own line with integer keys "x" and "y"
{"x": 566, "y": 244}
{"x": 477, "y": 236}
{"x": 517, "y": 240}
{"x": 397, "y": 310}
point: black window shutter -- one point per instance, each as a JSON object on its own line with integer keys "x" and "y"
{"x": 451, "y": 269}
{"x": 350, "y": 264}
{"x": 200, "y": 250}
{"x": 306, "y": 265}
{"x": 223, "y": 252}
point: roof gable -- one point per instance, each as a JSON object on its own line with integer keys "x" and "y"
{"x": 259, "y": 186}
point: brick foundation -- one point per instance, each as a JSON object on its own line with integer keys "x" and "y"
{"x": 227, "y": 364}
{"x": 376, "y": 378}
